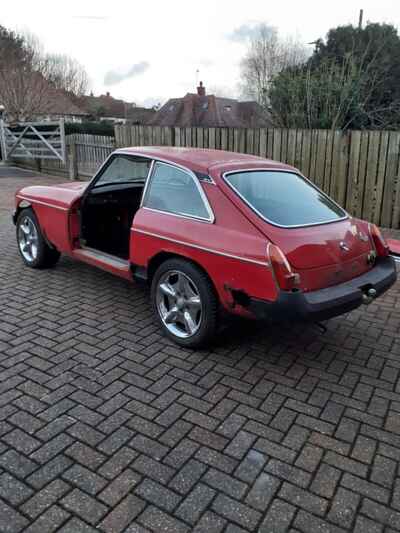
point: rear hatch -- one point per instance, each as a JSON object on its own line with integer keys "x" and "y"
{"x": 324, "y": 245}
{"x": 326, "y": 254}
{"x": 394, "y": 248}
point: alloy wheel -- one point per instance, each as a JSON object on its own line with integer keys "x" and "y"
{"x": 28, "y": 239}
{"x": 179, "y": 304}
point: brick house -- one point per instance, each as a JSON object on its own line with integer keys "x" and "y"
{"x": 200, "y": 109}
{"x": 106, "y": 107}
{"x": 58, "y": 104}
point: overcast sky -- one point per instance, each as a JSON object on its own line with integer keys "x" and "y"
{"x": 148, "y": 51}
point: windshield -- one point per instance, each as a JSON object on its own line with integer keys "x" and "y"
{"x": 124, "y": 169}
{"x": 284, "y": 198}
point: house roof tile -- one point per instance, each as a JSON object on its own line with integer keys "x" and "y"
{"x": 210, "y": 111}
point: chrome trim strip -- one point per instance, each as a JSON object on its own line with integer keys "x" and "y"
{"x": 225, "y": 174}
{"x": 112, "y": 260}
{"x": 188, "y": 217}
{"x": 33, "y": 200}
{"x": 203, "y": 196}
{"x": 396, "y": 258}
{"x": 168, "y": 161}
{"x": 146, "y": 183}
{"x": 96, "y": 174}
{"x": 205, "y": 249}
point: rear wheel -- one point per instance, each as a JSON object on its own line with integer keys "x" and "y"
{"x": 185, "y": 303}
{"x": 34, "y": 250}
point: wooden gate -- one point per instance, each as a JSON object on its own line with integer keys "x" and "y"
{"x": 33, "y": 140}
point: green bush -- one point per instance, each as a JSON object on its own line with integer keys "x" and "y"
{"x": 94, "y": 128}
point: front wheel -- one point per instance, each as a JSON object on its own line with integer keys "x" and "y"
{"x": 185, "y": 303}
{"x": 33, "y": 248}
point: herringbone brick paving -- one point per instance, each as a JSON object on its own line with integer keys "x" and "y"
{"x": 105, "y": 425}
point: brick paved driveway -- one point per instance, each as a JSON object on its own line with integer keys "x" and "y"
{"x": 104, "y": 425}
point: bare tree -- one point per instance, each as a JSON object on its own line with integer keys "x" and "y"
{"x": 34, "y": 50}
{"x": 267, "y": 55}
{"x": 66, "y": 73}
{"x": 23, "y": 90}
{"x": 30, "y": 78}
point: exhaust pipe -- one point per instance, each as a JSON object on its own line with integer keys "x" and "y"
{"x": 368, "y": 296}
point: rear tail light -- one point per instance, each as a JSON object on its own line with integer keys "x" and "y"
{"x": 284, "y": 276}
{"x": 381, "y": 247}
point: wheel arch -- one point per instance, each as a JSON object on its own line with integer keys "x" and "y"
{"x": 163, "y": 256}
{"x": 23, "y": 204}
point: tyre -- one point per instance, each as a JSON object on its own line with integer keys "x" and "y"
{"x": 185, "y": 303}
{"x": 34, "y": 250}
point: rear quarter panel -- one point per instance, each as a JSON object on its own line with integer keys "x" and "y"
{"x": 209, "y": 245}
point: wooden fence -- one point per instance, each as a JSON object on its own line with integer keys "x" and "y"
{"x": 85, "y": 153}
{"x": 360, "y": 169}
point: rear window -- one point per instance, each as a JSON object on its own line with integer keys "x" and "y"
{"x": 284, "y": 198}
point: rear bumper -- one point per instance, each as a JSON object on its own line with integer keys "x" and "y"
{"x": 329, "y": 302}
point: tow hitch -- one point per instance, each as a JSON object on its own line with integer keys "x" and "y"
{"x": 368, "y": 296}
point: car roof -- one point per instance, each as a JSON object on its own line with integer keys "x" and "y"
{"x": 205, "y": 160}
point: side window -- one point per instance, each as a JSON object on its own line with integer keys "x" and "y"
{"x": 124, "y": 169}
{"x": 173, "y": 190}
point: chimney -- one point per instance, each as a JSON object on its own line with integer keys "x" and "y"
{"x": 108, "y": 94}
{"x": 201, "y": 90}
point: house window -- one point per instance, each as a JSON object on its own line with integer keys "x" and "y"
{"x": 171, "y": 108}
{"x": 228, "y": 108}
{"x": 175, "y": 191}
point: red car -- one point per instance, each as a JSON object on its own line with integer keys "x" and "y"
{"x": 209, "y": 230}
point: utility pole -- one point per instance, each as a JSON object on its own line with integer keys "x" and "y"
{"x": 360, "y": 19}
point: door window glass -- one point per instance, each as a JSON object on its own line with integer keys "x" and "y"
{"x": 173, "y": 190}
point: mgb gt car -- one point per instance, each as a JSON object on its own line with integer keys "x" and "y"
{"x": 209, "y": 231}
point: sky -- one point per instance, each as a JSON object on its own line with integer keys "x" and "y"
{"x": 150, "y": 50}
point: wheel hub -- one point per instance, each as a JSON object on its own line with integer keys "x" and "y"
{"x": 179, "y": 304}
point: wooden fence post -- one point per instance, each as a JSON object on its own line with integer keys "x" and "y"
{"x": 72, "y": 161}
{"x": 3, "y": 144}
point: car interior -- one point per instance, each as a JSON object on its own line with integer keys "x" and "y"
{"x": 109, "y": 206}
